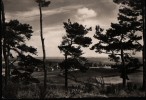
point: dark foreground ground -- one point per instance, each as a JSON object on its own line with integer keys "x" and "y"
{"x": 92, "y": 84}
{"x": 110, "y": 76}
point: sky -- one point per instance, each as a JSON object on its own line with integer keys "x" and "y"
{"x": 86, "y": 12}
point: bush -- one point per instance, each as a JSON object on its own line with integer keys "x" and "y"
{"x": 75, "y": 91}
{"x": 31, "y": 91}
{"x": 122, "y": 93}
{"x": 88, "y": 87}
{"x": 35, "y": 91}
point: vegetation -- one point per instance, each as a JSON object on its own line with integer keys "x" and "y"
{"x": 43, "y": 3}
{"x": 71, "y": 46}
{"x": 22, "y": 81}
{"x": 14, "y": 42}
{"x": 119, "y": 39}
{"x": 74, "y": 91}
{"x": 136, "y": 9}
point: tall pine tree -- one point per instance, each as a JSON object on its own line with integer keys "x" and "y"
{"x": 136, "y": 8}
{"x": 118, "y": 40}
{"x": 13, "y": 42}
{"x": 71, "y": 47}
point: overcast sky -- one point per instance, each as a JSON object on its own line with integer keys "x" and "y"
{"x": 86, "y": 12}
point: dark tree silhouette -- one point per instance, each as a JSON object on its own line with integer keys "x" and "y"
{"x": 118, "y": 39}
{"x": 71, "y": 47}
{"x": 27, "y": 64}
{"x": 2, "y": 36}
{"x": 13, "y": 42}
{"x": 1, "y": 31}
{"x": 136, "y": 8}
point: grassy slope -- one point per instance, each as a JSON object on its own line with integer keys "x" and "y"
{"x": 109, "y": 75}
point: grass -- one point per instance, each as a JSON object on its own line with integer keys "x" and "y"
{"x": 33, "y": 91}
{"x": 110, "y": 76}
{"x": 55, "y": 86}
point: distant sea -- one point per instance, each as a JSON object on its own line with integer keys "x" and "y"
{"x": 90, "y": 59}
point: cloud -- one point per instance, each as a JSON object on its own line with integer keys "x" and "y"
{"x": 13, "y": 6}
{"x": 89, "y": 18}
{"x": 85, "y": 13}
{"x": 30, "y": 15}
{"x": 45, "y": 11}
{"x": 51, "y": 17}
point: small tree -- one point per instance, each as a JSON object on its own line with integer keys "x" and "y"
{"x": 71, "y": 47}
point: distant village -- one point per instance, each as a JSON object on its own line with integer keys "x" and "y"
{"x": 54, "y": 66}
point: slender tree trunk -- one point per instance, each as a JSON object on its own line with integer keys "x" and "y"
{"x": 123, "y": 69}
{"x": 6, "y": 63}
{"x": 1, "y": 31}
{"x": 124, "y": 74}
{"x": 8, "y": 58}
{"x": 66, "y": 73}
{"x": 144, "y": 50}
{"x": 43, "y": 48}
{"x": 4, "y": 44}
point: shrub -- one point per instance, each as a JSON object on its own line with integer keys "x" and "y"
{"x": 122, "y": 93}
{"x": 88, "y": 87}
{"x": 75, "y": 91}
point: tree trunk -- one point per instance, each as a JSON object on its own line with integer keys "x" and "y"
{"x": 144, "y": 50}
{"x": 1, "y": 31}
{"x": 43, "y": 49}
{"x": 8, "y": 58}
{"x": 123, "y": 73}
{"x": 4, "y": 43}
{"x": 66, "y": 73}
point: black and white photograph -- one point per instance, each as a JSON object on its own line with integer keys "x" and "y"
{"x": 73, "y": 49}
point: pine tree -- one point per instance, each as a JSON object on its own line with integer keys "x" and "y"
{"x": 136, "y": 8}
{"x": 13, "y": 42}
{"x": 43, "y": 3}
{"x": 71, "y": 47}
{"x": 118, "y": 40}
